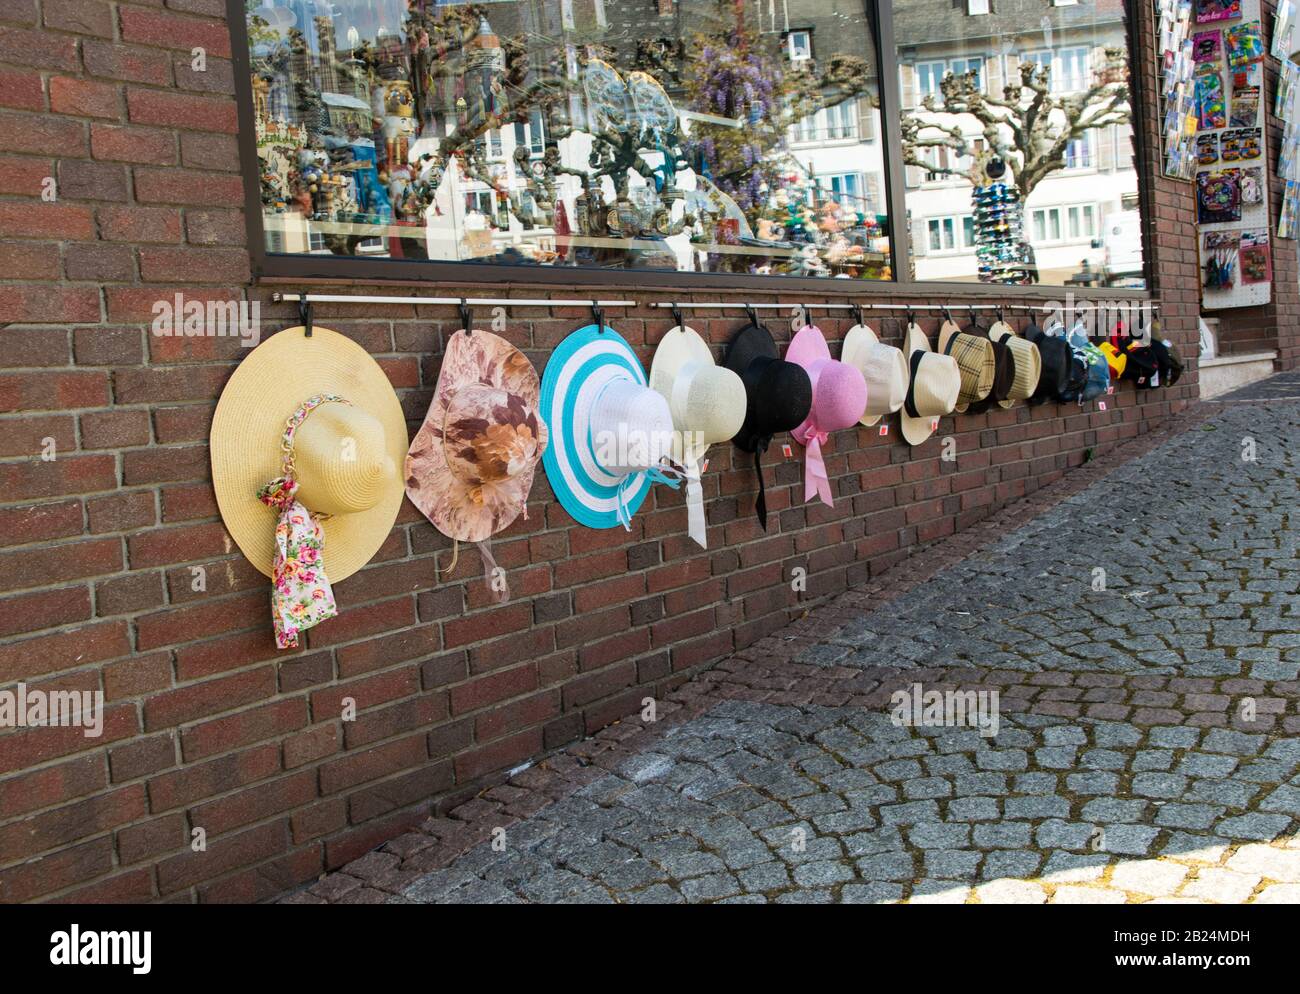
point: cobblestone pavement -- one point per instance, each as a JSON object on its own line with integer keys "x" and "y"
{"x": 1143, "y": 640}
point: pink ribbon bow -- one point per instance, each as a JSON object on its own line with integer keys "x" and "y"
{"x": 814, "y": 466}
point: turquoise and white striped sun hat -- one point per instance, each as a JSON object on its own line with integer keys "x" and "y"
{"x": 609, "y": 431}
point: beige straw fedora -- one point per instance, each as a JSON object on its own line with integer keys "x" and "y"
{"x": 1029, "y": 364}
{"x": 933, "y": 384}
{"x": 882, "y": 366}
{"x": 347, "y": 456}
{"x": 976, "y": 360}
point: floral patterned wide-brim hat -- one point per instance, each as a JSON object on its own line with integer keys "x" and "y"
{"x": 471, "y": 464}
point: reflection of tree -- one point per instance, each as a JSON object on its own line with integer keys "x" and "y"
{"x": 739, "y": 79}
{"x": 1028, "y": 127}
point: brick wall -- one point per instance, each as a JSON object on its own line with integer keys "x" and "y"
{"x": 207, "y": 726}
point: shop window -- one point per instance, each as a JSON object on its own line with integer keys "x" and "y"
{"x": 1068, "y": 71}
{"x": 591, "y": 135}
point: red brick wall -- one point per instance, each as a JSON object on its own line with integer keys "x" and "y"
{"x": 207, "y": 726}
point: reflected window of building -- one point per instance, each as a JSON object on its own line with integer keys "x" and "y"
{"x": 714, "y": 137}
{"x": 1016, "y": 126}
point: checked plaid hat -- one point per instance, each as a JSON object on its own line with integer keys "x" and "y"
{"x": 974, "y": 357}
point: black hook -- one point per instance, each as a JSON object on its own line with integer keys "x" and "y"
{"x": 304, "y": 313}
{"x": 974, "y": 321}
{"x": 598, "y": 316}
{"x": 1001, "y": 315}
{"x": 857, "y": 313}
{"x": 751, "y": 314}
{"x": 911, "y": 316}
{"x": 466, "y": 316}
{"x": 947, "y": 314}
{"x": 804, "y": 315}
{"x": 677, "y": 317}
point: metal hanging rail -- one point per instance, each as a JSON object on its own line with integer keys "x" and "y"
{"x": 343, "y": 298}
{"x": 917, "y": 307}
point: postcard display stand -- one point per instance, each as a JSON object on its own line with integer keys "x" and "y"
{"x": 1231, "y": 181}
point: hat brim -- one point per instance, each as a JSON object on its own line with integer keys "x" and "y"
{"x": 471, "y": 512}
{"x": 915, "y": 430}
{"x": 244, "y": 443}
{"x": 582, "y": 364}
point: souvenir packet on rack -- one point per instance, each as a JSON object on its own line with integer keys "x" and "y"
{"x": 1256, "y": 260}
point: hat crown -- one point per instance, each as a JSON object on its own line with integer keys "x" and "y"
{"x": 711, "y": 402}
{"x": 781, "y": 398}
{"x": 631, "y": 428}
{"x": 488, "y": 435}
{"x": 341, "y": 460}
{"x": 839, "y": 395}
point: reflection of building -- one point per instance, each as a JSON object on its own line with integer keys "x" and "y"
{"x": 1067, "y": 210}
{"x": 327, "y": 73}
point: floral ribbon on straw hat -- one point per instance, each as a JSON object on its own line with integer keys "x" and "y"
{"x": 301, "y": 596}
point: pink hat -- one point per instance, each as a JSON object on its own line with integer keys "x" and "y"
{"x": 839, "y": 400}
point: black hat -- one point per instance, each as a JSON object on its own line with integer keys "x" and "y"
{"x": 778, "y": 396}
{"x": 1004, "y": 373}
{"x": 1142, "y": 366}
{"x": 1057, "y": 362}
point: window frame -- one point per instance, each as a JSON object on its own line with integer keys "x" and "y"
{"x": 271, "y": 268}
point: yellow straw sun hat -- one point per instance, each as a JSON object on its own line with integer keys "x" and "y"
{"x": 347, "y": 455}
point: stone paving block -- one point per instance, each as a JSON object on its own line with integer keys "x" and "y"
{"x": 1253, "y": 826}
{"x": 1150, "y": 877}
{"x": 1011, "y": 892}
{"x": 1097, "y": 783}
{"x": 1190, "y": 816}
{"x": 1068, "y": 867}
{"x": 1270, "y": 862}
{"x": 712, "y": 887}
{"x": 872, "y": 893}
{"x": 1057, "y": 834}
{"x": 939, "y": 892}
{"x": 1036, "y": 807}
{"x": 1159, "y": 785}
{"x": 1279, "y": 894}
{"x": 1222, "y": 886}
{"x": 1016, "y": 863}
{"x": 886, "y": 866}
{"x": 1126, "y": 840}
{"x": 972, "y": 809}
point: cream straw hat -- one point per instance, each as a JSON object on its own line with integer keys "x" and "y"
{"x": 934, "y": 382}
{"x": 707, "y": 402}
{"x": 347, "y": 456}
{"x": 882, "y": 366}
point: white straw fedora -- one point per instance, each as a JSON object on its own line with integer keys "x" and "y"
{"x": 707, "y": 403}
{"x": 934, "y": 381}
{"x": 347, "y": 454}
{"x": 882, "y": 366}
{"x": 610, "y": 434}
{"x": 1029, "y": 363}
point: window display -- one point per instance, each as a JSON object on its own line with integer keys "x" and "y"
{"x": 719, "y": 137}
{"x": 1021, "y": 112}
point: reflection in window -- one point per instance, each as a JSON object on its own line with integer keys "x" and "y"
{"x": 1016, "y": 122}
{"x": 624, "y": 134}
